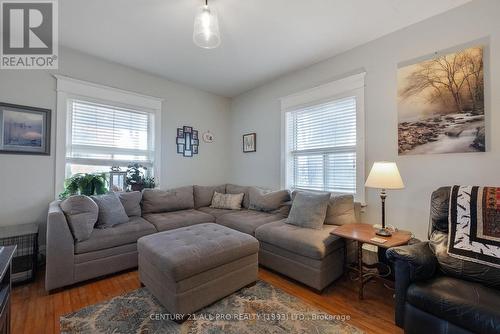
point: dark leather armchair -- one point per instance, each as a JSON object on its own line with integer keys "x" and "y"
{"x": 439, "y": 294}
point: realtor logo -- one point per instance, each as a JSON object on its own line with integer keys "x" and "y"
{"x": 29, "y": 34}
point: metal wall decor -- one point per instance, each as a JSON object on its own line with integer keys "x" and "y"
{"x": 187, "y": 141}
{"x": 208, "y": 137}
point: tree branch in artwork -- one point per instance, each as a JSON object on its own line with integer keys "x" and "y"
{"x": 457, "y": 78}
{"x": 441, "y": 104}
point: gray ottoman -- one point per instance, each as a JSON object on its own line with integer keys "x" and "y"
{"x": 189, "y": 268}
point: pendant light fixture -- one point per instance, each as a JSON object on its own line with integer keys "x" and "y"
{"x": 206, "y": 28}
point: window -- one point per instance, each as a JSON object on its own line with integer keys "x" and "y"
{"x": 101, "y": 136}
{"x": 323, "y": 139}
{"x": 99, "y": 127}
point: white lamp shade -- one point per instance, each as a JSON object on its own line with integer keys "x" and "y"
{"x": 384, "y": 175}
{"x": 206, "y": 28}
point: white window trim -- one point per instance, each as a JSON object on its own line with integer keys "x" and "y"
{"x": 70, "y": 88}
{"x": 350, "y": 86}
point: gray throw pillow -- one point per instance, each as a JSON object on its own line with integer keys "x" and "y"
{"x": 462, "y": 269}
{"x": 156, "y": 201}
{"x": 340, "y": 210}
{"x": 227, "y": 201}
{"x": 81, "y": 213}
{"x": 309, "y": 210}
{"x": 267, "y": 200}
{"x": 111, "y": 211}
{"x": 203, "y": 194}
{"x": 234, "y": 189}
{"x": 131, "y": 202}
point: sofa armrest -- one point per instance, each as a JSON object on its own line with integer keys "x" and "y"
{"x": 419, "y": 258}
{"x": 412, "y": 263}
{"x": 60, "y": 249}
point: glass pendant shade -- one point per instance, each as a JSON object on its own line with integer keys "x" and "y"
{"x": 206, "y": 28}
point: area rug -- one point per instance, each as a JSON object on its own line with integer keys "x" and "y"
{"x": 259, "y": 309}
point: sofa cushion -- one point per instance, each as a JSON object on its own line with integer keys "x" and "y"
{"x": 111, "y": 211}
{"x": 203, "y": 194}
{"x": 468, "y": 270}
{"x": 247, "y": 221}
{"x": 227, "y": 201}
{"x": 309, "y": 210}
{"x": 189, "y": 251}
{"x": 234, "y": 189}
{"x": 131, "y": 202}
{"x": 81, "y": 213}
{"x": 340, "y": 210}
{"x": 154, "y": 200}
{"x": 172, "y": 220}
{"x": 215, "y": 212}
{"x": 465, "y": 304}
{"x": 117, "y": 235}
{"x": 311, "y": 243}
{"x": 266, "y": 200}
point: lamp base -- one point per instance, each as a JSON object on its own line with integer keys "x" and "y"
{"x": 383, "y": 232}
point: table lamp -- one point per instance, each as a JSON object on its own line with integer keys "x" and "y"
{"x": 384, "y": 175}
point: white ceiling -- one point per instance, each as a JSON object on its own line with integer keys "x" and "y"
{"x": 261, "y": 39}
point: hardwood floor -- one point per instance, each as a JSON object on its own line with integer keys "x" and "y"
{"x": 36, "y": 311}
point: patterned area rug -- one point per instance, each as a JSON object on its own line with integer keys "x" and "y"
{"x": 259, "y": 309}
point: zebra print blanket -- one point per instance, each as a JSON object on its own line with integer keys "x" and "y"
{"x": 474, "y": 224}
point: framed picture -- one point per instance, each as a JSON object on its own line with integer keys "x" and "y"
{"x": 250, "y": 142}
{"x": 24, "y": 130}
{"x": 187, "y": 141}
{"x": 441, "y": 104}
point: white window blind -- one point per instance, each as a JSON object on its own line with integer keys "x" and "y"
{"x": 106, "y": 135}
{"x": 321, "y": 146}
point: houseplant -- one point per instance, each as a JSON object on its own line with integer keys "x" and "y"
{"x": 136, "y": 176}
{"x": 149, "y": 182}
{"x": 85, "y": 184}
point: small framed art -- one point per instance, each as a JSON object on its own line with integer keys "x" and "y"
{"x": 250, "y": 142}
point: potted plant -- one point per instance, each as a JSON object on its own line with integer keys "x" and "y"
{"x": 136, "y": 176}
{"x": 149, "y": 182}
{"x": 85, "y": 184}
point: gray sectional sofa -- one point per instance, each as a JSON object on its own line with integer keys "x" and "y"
{"x": 313, "y": 257}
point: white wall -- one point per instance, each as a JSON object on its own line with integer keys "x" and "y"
{"x": 259, "y": 111}
{"x": 27, "y": 182}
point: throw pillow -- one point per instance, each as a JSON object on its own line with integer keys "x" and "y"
{"x": 340, "y": 210}
{"x": 462, "y": 269}
{"x": 309, "y": 210}
{"x": 266, "y": 200}
{"x": 81, "y": 213}
{"x": 203, "y": 194}
{"x": 131, "y": 202}
{"x": 111, "y": 211}
{"x": 155, "y": 201}
{"x": 227, "y": 201}
{"x": 234, "y": 189}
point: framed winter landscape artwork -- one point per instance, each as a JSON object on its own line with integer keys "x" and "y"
{"x": 24, "y": 130}
{"x": 441, "y": 104}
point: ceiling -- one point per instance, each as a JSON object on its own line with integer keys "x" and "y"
{"x": 261, "y": 39}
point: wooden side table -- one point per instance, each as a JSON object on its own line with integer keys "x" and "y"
{"x": 362, "y": 234}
